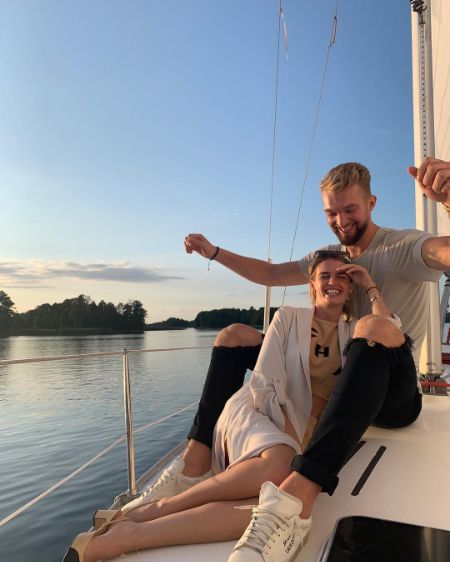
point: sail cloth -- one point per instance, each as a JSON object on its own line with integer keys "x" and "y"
{"x": 431, "y": 106}
{"x": 431, "y": 99}
{"x": 440, "y": 37}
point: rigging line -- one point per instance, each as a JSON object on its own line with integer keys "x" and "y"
{"x": 313, "y": 136}
{"x": 5, "y": 362}
{"x": 85, "y": 465}
{"x": 151, "y": 424}
{"x": 274, "y": 133}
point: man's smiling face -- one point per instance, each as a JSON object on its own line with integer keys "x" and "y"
{"x": 348, "y": 213}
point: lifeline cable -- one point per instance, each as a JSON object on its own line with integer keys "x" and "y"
{"x": 85, "y": 465}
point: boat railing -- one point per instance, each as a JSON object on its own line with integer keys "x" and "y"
{"x": 129, "y": 432}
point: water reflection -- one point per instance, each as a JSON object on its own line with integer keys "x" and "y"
{"x": 55, "y": 416}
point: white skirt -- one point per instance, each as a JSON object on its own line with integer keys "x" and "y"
{"x": 242, "y": 432}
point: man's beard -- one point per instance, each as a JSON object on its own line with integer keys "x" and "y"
{"x": 351, "y": 239}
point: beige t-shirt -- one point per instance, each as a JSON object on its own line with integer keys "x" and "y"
{"x": 394, "y": 261}
{"x": 324, "y": 357}
{"x": 324, "y": 365}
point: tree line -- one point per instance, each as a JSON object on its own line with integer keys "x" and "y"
{"x": 216, "y": 319}
{"x": 79, "y": 313}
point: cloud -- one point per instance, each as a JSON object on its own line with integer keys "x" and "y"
{"x": 39, "y": 274}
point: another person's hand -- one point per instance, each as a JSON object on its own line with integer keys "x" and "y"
{"x": 433, "y": 177}
{"x": 358, "y": 274}
{"x": 199, "y": 244}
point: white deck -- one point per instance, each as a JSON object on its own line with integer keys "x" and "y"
{"x": 409, "y": 484}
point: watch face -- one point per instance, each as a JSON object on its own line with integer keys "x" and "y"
{"x": 365, "y": 539}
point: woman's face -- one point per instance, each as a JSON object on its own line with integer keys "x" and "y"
{"x": 330, "y": 287}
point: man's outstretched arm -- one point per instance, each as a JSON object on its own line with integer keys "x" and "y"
{"x": 258, "y": 271}
{"x": 436, "y": 252}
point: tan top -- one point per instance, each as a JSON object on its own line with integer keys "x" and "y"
{"x": 324, "y": 357}
{"x": 324, "y": 363}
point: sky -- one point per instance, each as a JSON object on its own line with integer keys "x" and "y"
{"x": 126, "y": 124}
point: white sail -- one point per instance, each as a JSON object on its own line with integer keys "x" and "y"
{"x": 440, "y": 26}
{"x": 431, "y": 103}
{"x": 436, "y": 59}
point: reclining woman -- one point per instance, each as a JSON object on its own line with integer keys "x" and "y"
{"x": 265, "y": 426}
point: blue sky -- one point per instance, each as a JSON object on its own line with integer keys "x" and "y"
{"x": 127, "y": 124}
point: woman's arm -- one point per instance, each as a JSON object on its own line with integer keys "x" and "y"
{"x": 360, "y": 276}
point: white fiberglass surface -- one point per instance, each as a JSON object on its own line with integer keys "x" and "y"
{"x": 407, "y": 484}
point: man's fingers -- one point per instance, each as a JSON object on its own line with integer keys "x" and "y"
{"x": 426, "y": 167}
{"x": 427, "y": 171}
{"x": 441, "y": 182}
{"x": 199, "y": 237}
{"x": 412, "y": 171}
{"x": 187, "y": 247}
{"x": 435, "y": 175}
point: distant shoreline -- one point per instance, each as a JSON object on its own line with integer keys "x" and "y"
{"x": 67, "y": 332}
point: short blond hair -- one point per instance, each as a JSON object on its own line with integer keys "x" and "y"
{"x": 344, "y": 175}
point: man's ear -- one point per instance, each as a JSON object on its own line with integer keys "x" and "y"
{"x": 372, "y": 202}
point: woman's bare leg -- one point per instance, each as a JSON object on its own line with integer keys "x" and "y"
{"x": 243, "y": 480}
{"x": 213, "y": 522}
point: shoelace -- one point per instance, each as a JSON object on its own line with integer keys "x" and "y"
{"x": 166, "y": 475}
{"x": 262, "y": 526}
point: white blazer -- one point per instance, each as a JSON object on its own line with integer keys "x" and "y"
{"x": 281, "y": 377}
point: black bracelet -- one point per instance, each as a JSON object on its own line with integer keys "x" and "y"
{"x": 214, "y": 256}
{"x": 370, "y": 288}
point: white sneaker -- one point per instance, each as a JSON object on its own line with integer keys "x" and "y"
{"x": 276, "y": 533}
{"x": 170, "y": 483}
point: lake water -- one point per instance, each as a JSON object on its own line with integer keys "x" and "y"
{"x": 55, "y": 416}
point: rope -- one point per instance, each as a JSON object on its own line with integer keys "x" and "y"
{"x": 274, "y": 132}
{"x": 6, "y": 362}
{"x": 313, "y": 136}
{"x": 58, "y": 485}
{"x": 151, "y": 424}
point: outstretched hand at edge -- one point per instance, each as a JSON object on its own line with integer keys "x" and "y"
{"x": 433, "y": 177}
{"x": 199, "y": 244}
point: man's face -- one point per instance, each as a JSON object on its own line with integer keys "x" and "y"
{"x": 348, "y": 213}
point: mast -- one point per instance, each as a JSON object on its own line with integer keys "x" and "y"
{"x": 268, "y": 290}
{"x": 424, "y": 145}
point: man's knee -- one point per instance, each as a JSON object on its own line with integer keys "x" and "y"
{"x": 379, "y": 329}
{"x": 238, "y": 335}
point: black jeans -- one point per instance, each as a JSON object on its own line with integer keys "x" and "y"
{"x": 378, "y": 385}
{"x": 225, "y": 376}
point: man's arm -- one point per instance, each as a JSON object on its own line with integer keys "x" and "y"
{"x": 436, "y": 252}
{"x": 258, "y": 271}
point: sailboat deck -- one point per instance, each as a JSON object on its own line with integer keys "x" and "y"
{"x": 409, "y": 483}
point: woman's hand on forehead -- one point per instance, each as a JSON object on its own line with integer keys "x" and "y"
{"x": 357, "y": 274}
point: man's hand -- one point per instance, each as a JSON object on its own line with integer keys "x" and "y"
{"x": 433, "y": 177}
{"x": 199, "y": 244}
